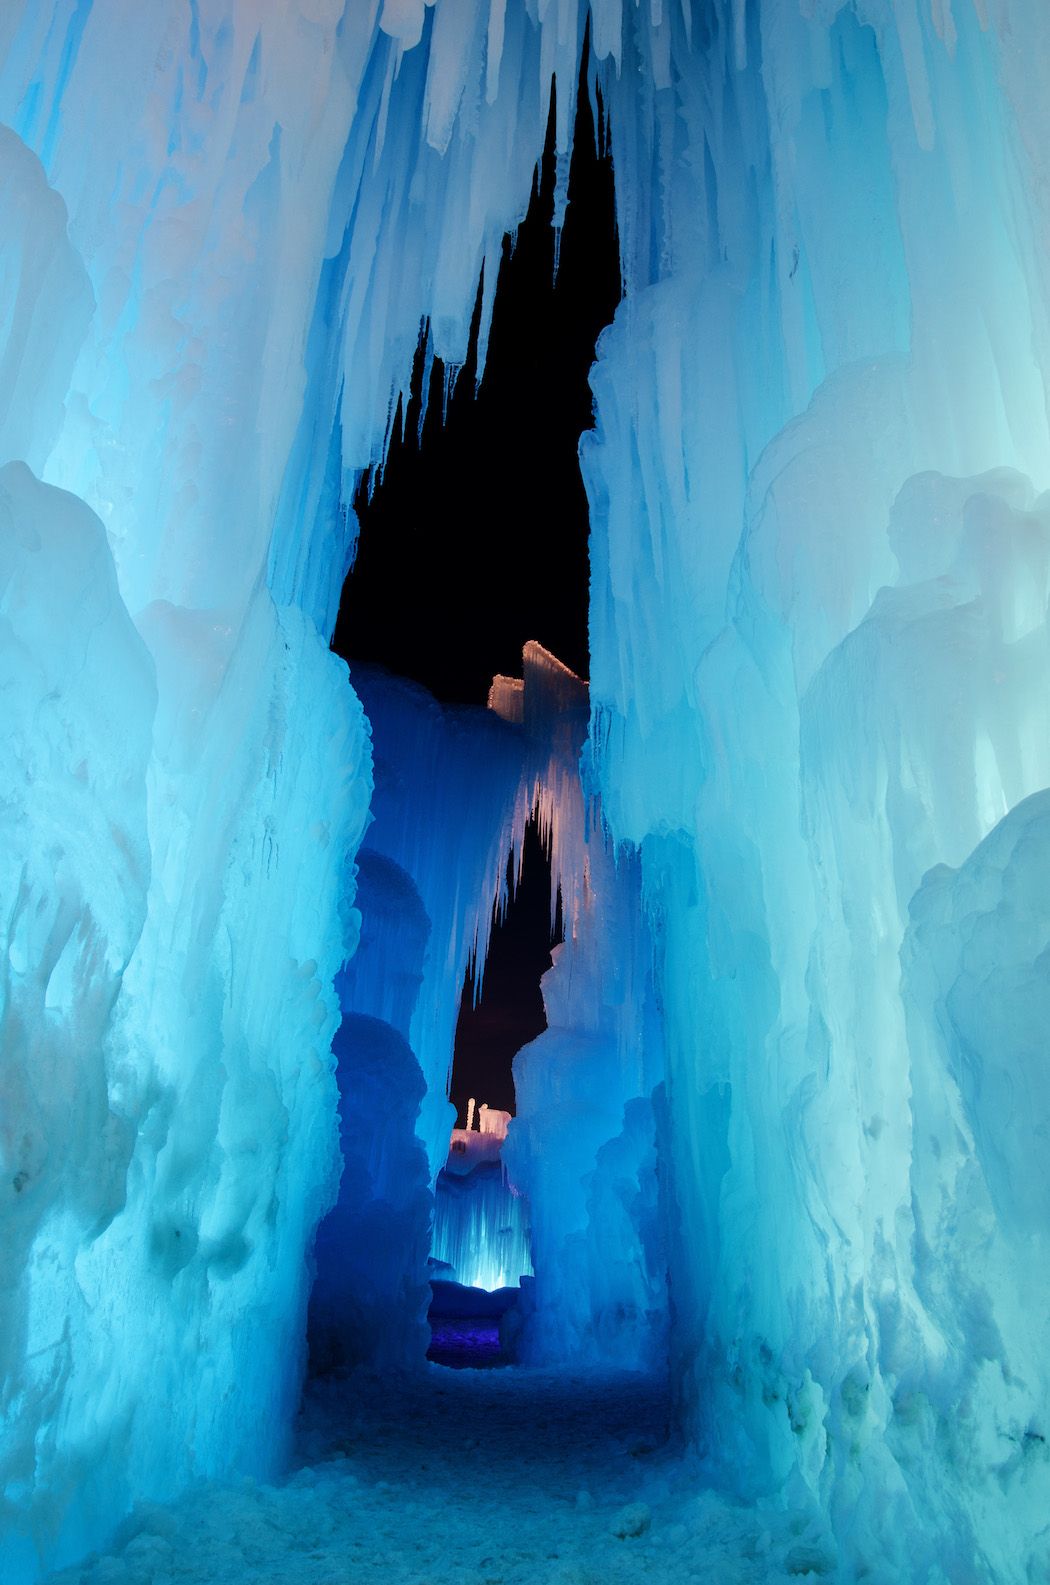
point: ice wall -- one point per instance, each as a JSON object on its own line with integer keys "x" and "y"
{"x": 481, "y": 1236}
{"x": 428, "y": 873}
{"x": 455, "y": 789}
{"x": 222, "y": 225}
{"x": 446, "y": 782}
{"x": 818, "y": 630}
{"x": 169, "y": 926}
{"x": 175, "y": 821}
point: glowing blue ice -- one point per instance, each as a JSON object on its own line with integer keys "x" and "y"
{"x": 820, "y": 666}
{"x": 819, "y": 670}
{"x": 481, "y": 1228}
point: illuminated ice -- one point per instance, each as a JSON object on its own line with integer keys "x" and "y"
{"x": 817, "y": 732}
{"x": 582, "y": 1147}
{"x": 819, "y": 672}
{"x": 481, "y": 1223}
{"x": 455, "y": 789}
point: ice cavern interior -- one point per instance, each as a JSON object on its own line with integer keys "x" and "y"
{"x": 750, "y": 1227}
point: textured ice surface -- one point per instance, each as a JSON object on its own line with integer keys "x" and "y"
{"x": 819, "y": 669}
{"x": 530, "y": 1478}
{"x": 481, "y": 1229}
{"x": 819, "y": 672}
{"x": 454, "y": 792}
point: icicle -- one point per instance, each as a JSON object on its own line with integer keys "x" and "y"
{"x": 403, "y": 20}
{"x": 494, "y": 48}
{"x": 607, "y": 30}
{"x": 740, "y": 34}
{"x": 425, "y": 379}
{"x": 393, "y": 61}
{"x": 451, "y": 374}
{"x": 452, "y": 50}
{"x": 944, "y": 22}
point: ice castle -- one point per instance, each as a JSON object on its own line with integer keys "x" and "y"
{"x": 787, "y": 1127}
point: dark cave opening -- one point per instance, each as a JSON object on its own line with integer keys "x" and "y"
{"x": 474, "y": 533}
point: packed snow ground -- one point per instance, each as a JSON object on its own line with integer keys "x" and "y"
{"x": 499, "y": 1477}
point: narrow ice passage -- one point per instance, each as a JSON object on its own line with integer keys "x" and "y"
{"x": 786, "y": 1128}
{"x": 464, "y": 1478}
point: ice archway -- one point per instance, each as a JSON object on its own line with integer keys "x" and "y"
{"x": 818, "y": 704}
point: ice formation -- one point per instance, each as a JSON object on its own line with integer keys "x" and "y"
{"x": 427, "y": 874}
{"x": 480, "y": 1236}
{"x": 455, "y": 789}
{"x": 589, "y": 1089}
{"x": 481, "y": 1224}
{"x": 817, "y": 728}
{"x": 819, "y": 409}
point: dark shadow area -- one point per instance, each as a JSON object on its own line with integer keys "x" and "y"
{"x": 471, "y": 1329}
{"x": 485, "y": 1430}
{"x": 475, "y": 537}
{"x": 469, "y": 1342}
{"x": 509, "y": 1012}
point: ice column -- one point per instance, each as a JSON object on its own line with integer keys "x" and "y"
{"x": 589, "y": 1089}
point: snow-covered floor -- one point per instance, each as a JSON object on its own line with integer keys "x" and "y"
{"x": 496, "y": 1477}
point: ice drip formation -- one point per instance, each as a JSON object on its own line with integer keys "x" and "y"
{"x": 787, "y": 1126}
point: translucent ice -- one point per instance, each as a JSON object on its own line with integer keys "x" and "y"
{"x": 206, "y": 355}
{"x": 819, "y": 673}
{"x": 481, "y": 1229}
{"x": 454, "y": 792}
{"x": 818, "y": 629}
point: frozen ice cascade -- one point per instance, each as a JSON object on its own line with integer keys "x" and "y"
{"x": 817, "y": 730}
